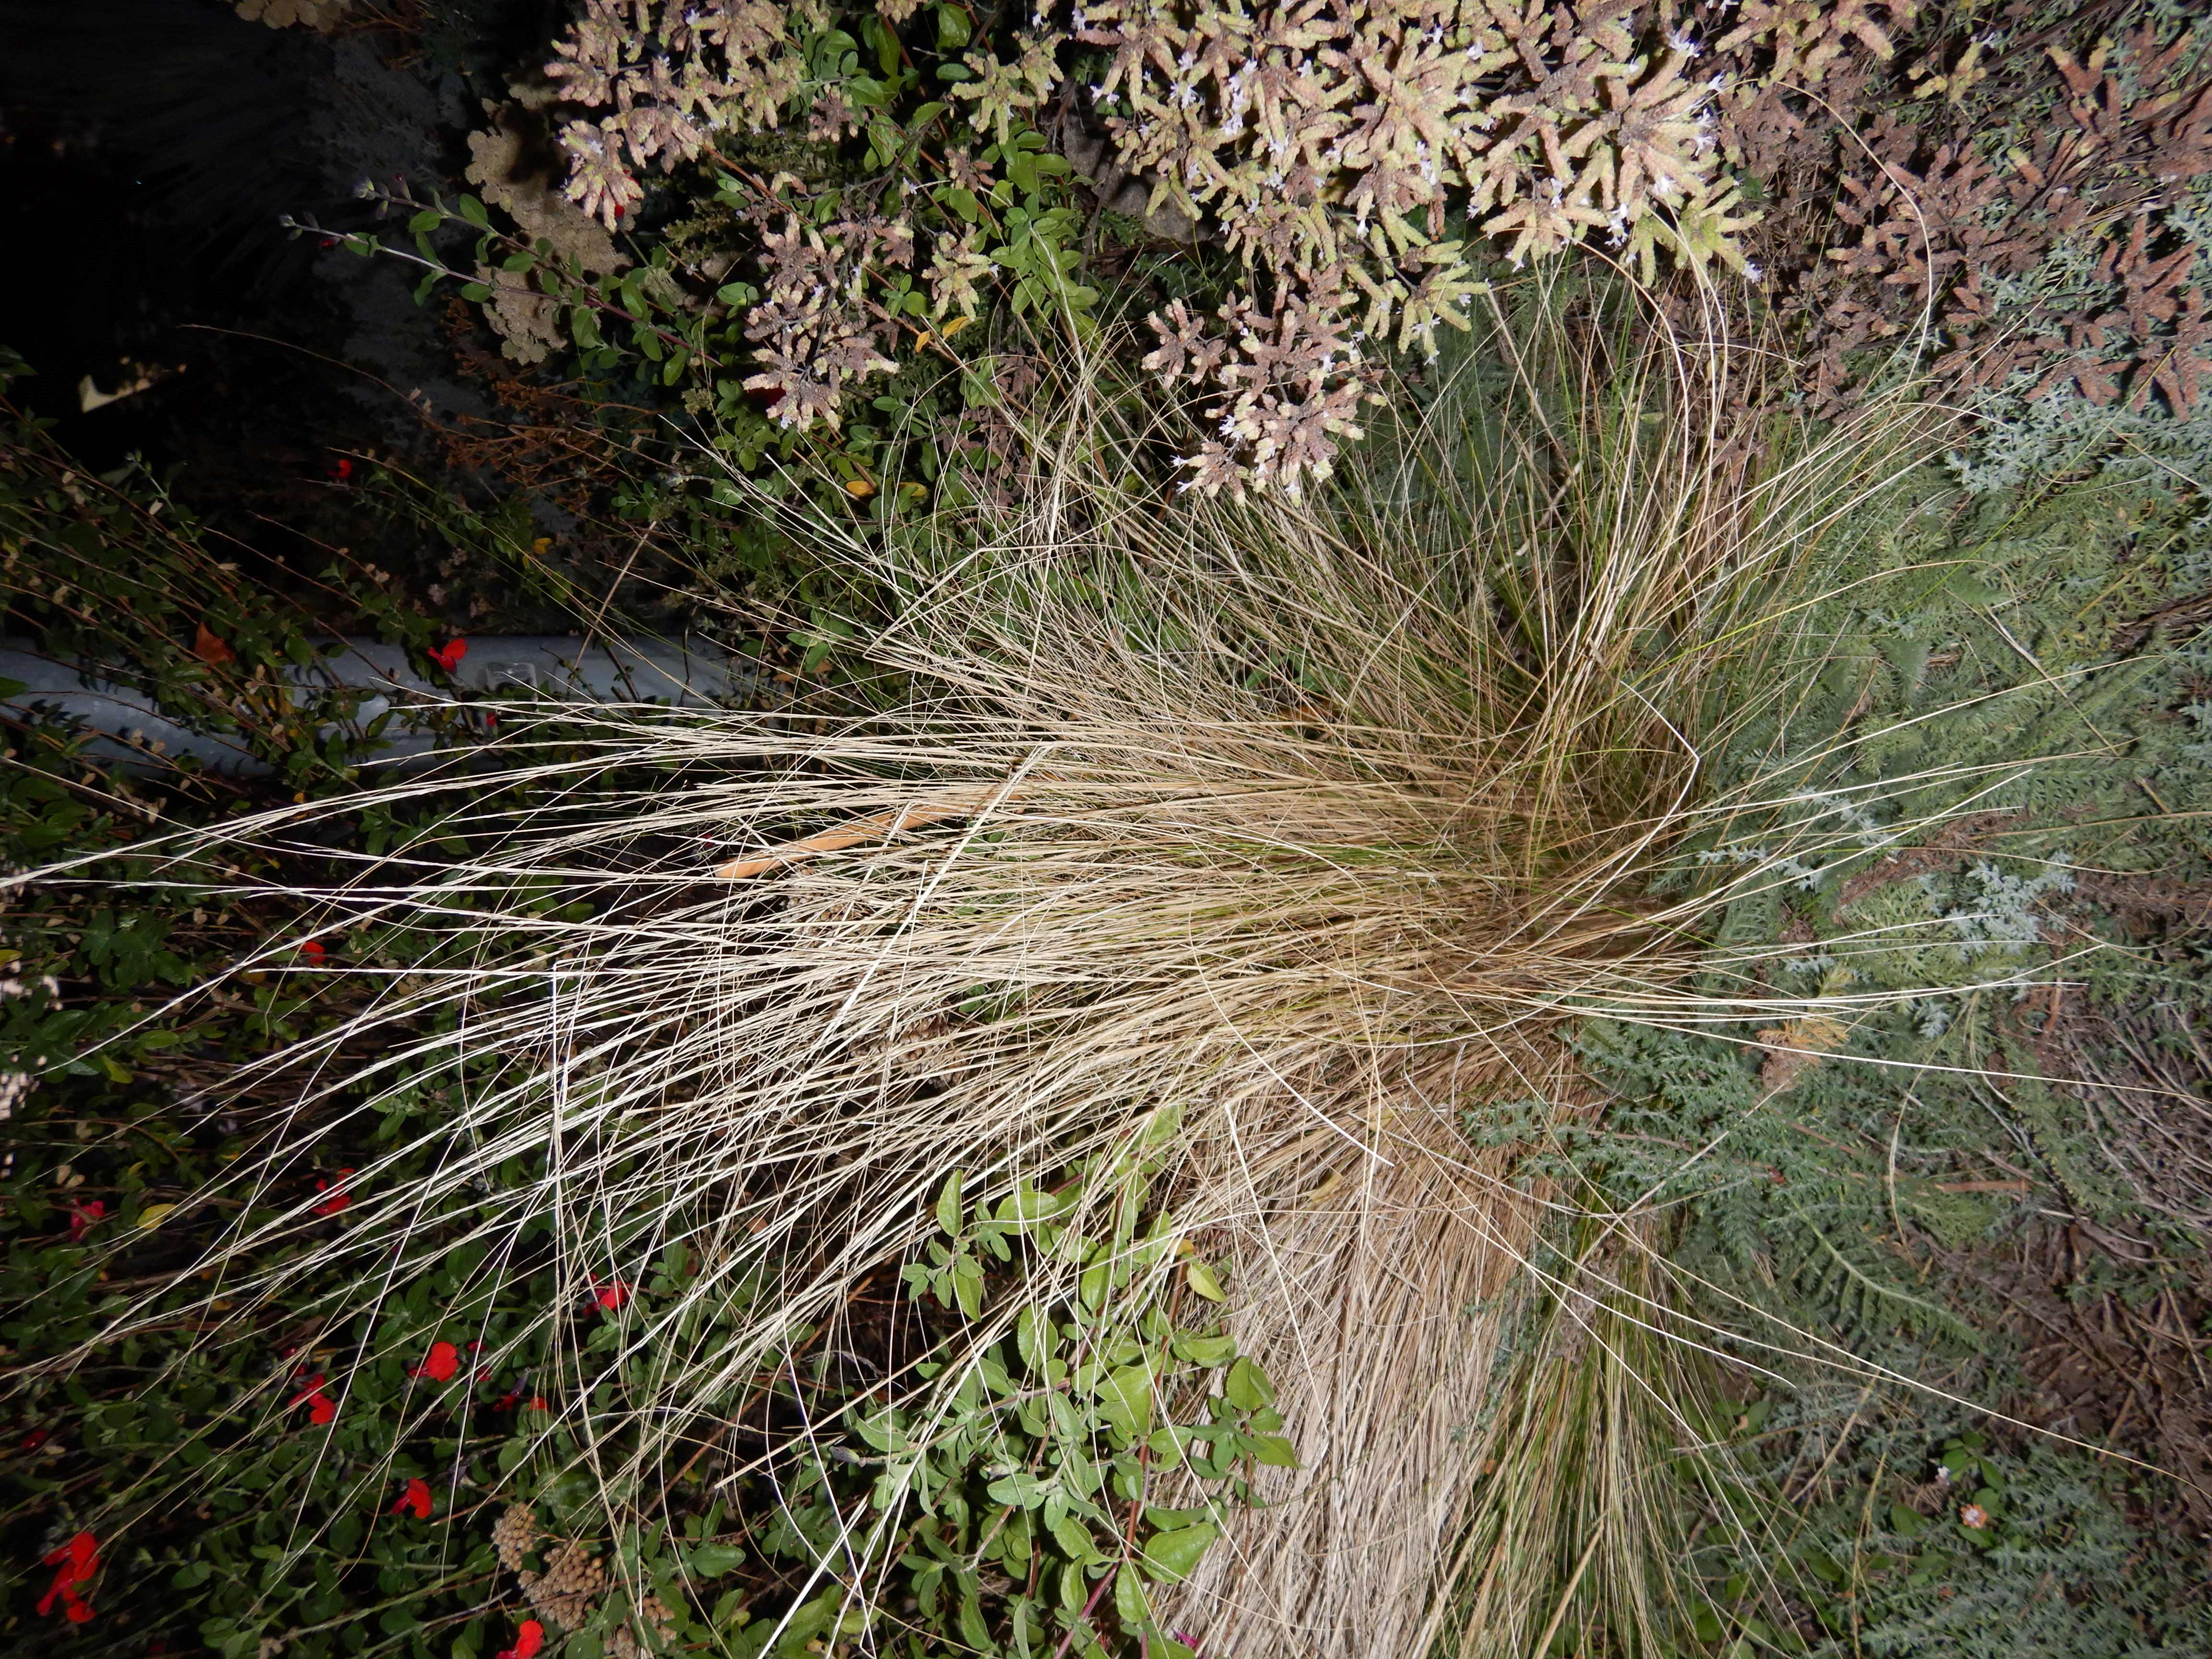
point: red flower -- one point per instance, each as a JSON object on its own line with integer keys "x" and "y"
{"x": 417, "y": 1499}
{"x": 338, "y": 1199}
{"x": 312, "y": 949}
{"x": 612, "y": 1294}
{"x": 527, "y": 1640}
{"x": 81, "y": 1216}
{"x": 439, "y": 1363}
{"x": 537, "y": 1403}
{"x": 342, "y": 471}
{"x": 74, "y": 1564}
{"x": 448, "y": 656}
{"x": 321, "y": 1408}
{"x": 36, "y": 1439}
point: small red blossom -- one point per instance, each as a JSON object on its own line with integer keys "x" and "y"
{"x": 439, "y": 1363}
{"x": 81, "y": 1216}
{"x": 321, "y": 1408}
{"x": 1974, "y": 1516}
{"x": 312, "y": 949}
{"x": 527, "y": 1640}
{"x": 507, "y": 1402}
{"x": 611, "y": 1295}
{"x": 448, "y": 656}
{"x": 537, "y": 1403}
{"x": 342, "y": 471}
{"x": 416, "y": 1498}
{"x": 338, "y": 1199}
{"x": 36, "y": 1439}
{"x": 74, "y": 1563}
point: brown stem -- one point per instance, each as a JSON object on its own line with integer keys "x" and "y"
{"x": 958, "y": 804}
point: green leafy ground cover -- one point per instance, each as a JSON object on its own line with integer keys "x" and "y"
{"x": 2004, "y": 743}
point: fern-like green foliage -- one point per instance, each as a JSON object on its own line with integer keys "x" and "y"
{"x": 1928, "y": 1537}
{"x": 1962, "y": 729}
{"x": 1977, "y": 739}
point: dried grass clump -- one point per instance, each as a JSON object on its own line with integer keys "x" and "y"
{"x": 1574, "y": 1521}
{"x": 1382, "y": 1291}
{"x": 1305, "y": 829}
